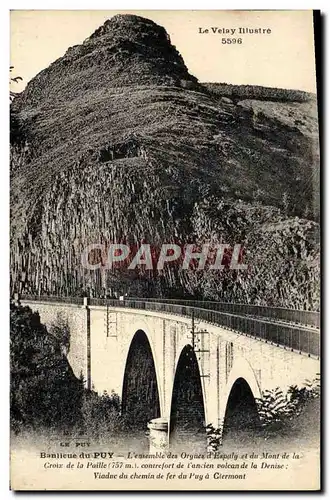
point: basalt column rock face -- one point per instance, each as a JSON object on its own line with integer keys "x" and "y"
{"x": 117, "y": 142}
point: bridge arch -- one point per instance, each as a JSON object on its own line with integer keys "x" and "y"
{"x": 239, "y": 412}
{"x": 187, "y": 410}
{"x": 140, "y": 389}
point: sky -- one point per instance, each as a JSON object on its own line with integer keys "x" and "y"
{"x": 283, "y": 58}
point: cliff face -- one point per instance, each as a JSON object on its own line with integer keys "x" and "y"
{"x": 117, "y": 142}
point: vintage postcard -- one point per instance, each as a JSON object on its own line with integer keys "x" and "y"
{"x": 165, "y": 258}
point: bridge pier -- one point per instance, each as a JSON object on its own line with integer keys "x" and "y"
{"x": 158, "y": 437}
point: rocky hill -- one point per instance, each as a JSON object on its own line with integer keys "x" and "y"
{"x": 117, "y": 142}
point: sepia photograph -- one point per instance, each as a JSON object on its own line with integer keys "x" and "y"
{"x": 164, "y": 250}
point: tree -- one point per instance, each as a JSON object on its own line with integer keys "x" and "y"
{"x": 14, "y": 79}
{"x": 60, "y": 329}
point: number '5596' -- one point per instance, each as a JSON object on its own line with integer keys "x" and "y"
{"x": 231, "y": 40}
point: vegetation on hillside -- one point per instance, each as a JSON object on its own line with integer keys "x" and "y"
{"x": 45, "y": 395}
{"x": 40, "y": 374}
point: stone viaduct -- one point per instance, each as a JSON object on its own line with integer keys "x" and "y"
{"x": 154, "y": 358}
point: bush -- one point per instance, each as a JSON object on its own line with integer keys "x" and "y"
{"x": 100, "y": 414}
{"x": 277, "y": 409}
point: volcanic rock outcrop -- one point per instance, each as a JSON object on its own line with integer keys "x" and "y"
{"x": 117, "y": 142}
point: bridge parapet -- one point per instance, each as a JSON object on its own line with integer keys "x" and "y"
{"x": 302, "y": 317}
{"x": 298, "y": 316}
{"x": 300, "y": 338}
{"x": 297, "y": 338}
